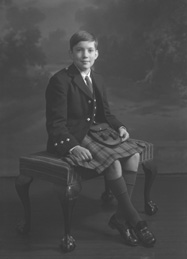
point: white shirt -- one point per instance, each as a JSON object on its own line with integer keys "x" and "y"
{"x": 84, "y": 75}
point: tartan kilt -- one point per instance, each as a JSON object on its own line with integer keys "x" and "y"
{"x": 104, "y": 156}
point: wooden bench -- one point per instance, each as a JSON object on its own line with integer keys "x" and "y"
{"x": 67, "y": 181}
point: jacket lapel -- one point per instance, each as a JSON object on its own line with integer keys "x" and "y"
{"x": 78, "y": 80}
{"x": 97, "y": 82}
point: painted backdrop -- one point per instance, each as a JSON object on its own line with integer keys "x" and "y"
{"x": 142, "y": 46}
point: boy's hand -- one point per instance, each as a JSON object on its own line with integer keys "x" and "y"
{"x": 123, "y": 133}
{"x": 82, "y": 153}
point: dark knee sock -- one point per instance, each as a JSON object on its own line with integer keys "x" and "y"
{"x": 126, "y": 210}
{"x": 130, "y": 179}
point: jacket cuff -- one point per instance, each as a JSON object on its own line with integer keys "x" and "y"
{"x": 65, "y": 144}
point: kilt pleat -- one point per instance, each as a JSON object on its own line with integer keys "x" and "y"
{"x": 104, "y": 156}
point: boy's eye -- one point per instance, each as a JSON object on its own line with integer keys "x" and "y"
{"x": 80, "y": 49}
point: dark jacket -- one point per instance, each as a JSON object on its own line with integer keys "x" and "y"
{"x": 70, "y": 109}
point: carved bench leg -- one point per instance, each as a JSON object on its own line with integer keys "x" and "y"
{"x": 150, "y": 172}
{"x": 22, "y": 185}
{"x": 68, "y": 196}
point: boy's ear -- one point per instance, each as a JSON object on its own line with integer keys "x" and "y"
{"x": 96, "y": 54}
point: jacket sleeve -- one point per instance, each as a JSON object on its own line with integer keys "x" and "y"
{"x": 56, "y": 116}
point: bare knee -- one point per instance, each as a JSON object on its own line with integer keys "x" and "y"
{"x": 135, "y": 158}
{"x": 132, "y": 163}
{"x": 114, "y": 170}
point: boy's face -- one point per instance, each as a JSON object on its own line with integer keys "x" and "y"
{"x": 84, "y": 55}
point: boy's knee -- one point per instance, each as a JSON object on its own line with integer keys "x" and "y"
{"x": 132, "y": 162}
{"x": 136, "y": 157}
{"x": 114, "y": 170}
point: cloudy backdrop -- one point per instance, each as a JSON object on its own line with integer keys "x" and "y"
{"x": 142, "y": 46}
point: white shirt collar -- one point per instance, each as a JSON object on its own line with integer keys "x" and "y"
{"x": 83, "y": 74}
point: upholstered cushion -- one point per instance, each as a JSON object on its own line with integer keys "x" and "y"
{"x": 148, "y": 152}
{"x": 46, "y": 166}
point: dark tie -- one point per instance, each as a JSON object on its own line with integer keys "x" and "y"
{"x": 89, "y": 83}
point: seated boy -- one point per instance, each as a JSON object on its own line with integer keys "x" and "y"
{"x": 76, "y": 103}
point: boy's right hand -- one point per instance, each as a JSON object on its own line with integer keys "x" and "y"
{"x": 82, "y": 153}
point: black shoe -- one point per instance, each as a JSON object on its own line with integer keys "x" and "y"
{"x": 126, "y": 232}
{"x": 150, "y": 208}
{"x": 144, "y": 235}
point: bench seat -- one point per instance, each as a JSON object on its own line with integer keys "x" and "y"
{"x": 67, "y": 180}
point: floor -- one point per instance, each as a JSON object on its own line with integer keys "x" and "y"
{"x": 94, "y": 239}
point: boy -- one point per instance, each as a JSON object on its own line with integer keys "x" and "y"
{"x": 76, "y": 103}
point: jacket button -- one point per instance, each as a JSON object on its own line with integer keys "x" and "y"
{"x": 88, "y": 119}
{"x": 89, "y": 101}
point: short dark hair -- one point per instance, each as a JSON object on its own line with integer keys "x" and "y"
{"x": 82, "y": 36}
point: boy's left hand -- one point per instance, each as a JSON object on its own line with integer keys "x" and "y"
{"x": 124, "y": 135}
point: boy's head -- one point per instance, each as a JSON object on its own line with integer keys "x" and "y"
{"x": 83, "y": 50}
{"x": 82, "y": 36}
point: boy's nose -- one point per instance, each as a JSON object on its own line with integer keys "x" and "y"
{"x": 85, "y": 54}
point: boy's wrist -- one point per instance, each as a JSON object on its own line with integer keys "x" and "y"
{"x": 71, "y": 150}
{"x": 122, "y": 127}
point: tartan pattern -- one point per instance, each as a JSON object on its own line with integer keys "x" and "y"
{"x": 104, "y": 156}
{"x": 53, "y": 169}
